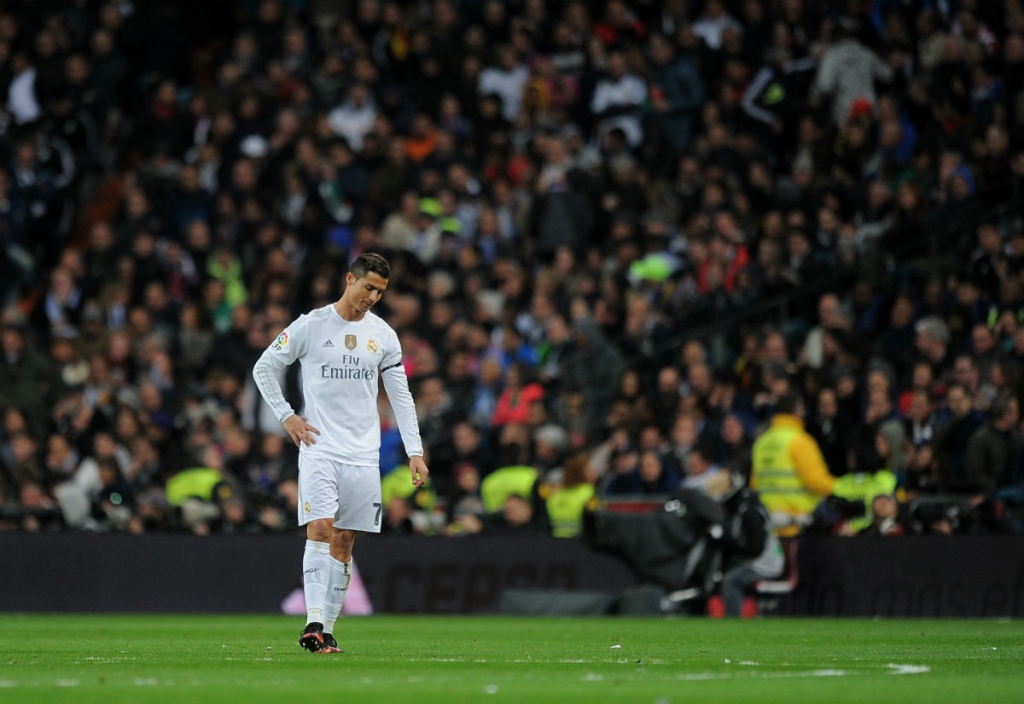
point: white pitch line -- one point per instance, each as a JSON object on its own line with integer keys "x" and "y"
{"x": 895, "y": 670}
{"x": 909, "y": 669}
{"x": 701, "y": 676}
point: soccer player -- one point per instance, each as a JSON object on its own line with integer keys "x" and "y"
{"x": 343, "y": 348}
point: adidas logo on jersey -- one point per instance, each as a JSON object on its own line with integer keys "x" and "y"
{"x": 328, "y": 344}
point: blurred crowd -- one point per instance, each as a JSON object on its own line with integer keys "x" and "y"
{"x": 618, "y": 229}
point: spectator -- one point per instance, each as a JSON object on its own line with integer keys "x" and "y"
{"x": 434, "y": 412}
{"x": 485, "y": 399}
{"x": 897, "y": 342}
{"x": 517, "y": 517}
{"x": 506, "y": 79}
{"x": 514, "y": 402}
{"x": 985, "y": 261}
{"x": 21, "y": 93}
{"x": 878, "y": 414}
{"x": 26, "y": 377}
{"x": 617, "y": 100}
{"x": 676, "y": 95}
{"x": 682, "y": 439}
{"x": 551, "y": 441}
{"x": 889, "y": 446}
{"x": 735, "y": 447}
{"x": 994, "y": 447}
{"x": 712, "y": 23}
{"x": 398, "y": 517}
{"x": 961, "y": 422}
{"x": 831, "y": 316}
{"x": 651, "y": 476}
{"x": 400, "y": 228}
{"x": 932, "y": 341}
{"x": 464, "y": 495}
{"x": 704, "y": 475}
{"x": 847, "y": 76}
{"x": 884, "y": 518}
{"x": 832, "y": 432}
{"x": 112, "y": 508}
{"x": 921, "y": 421}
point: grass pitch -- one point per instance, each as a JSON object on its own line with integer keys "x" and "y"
{"x": 425, "y": 660}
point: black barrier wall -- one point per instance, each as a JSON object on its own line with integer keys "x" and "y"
{"x": 80, "y": 572}
{"x": 958, "y": 576}
{"x": 467, "y": 575}
{"x": 77, "y": 572}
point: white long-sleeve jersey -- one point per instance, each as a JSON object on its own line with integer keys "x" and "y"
{"x": 341, "y": 362}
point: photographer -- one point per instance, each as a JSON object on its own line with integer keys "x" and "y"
{"x": 752, "y": 551}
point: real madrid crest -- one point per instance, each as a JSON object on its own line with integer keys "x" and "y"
{"x": 350, "y": 341}
{"x": 372, "y": 346}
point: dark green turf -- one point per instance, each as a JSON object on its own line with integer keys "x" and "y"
{"x": 455, "y": 659}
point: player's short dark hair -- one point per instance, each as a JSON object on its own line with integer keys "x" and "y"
{"x": 370, "y": 262}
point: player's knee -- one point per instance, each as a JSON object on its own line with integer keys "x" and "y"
{"x": 343, "y": 540}
{"x": 319, "y": 530}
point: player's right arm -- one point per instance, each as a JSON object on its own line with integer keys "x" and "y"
{"x": 289, "y": 346}
{"x": 300, "y": 431}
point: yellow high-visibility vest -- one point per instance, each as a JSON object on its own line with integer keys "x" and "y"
{"x": 774, "y": 474}
{"x": 500, "y": 484}
{"x": 565, "y": 509}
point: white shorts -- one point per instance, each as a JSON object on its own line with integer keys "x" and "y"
{"x": 346, "y": 493}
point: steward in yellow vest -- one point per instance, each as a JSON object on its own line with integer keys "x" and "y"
{"x": 789, "y": 472}
{"x": 566, "y": 501}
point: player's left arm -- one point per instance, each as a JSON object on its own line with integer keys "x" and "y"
{"x": 418, "y": 470}
{"x": 396, "y": 384}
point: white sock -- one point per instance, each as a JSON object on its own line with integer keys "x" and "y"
{"x": 341, "y": 574}
{"x": 315, "y": 575}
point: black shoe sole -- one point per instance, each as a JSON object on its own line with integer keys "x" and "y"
{"x": 311, "y": 642}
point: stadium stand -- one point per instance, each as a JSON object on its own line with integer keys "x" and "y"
{"x": 651, "y": 218}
